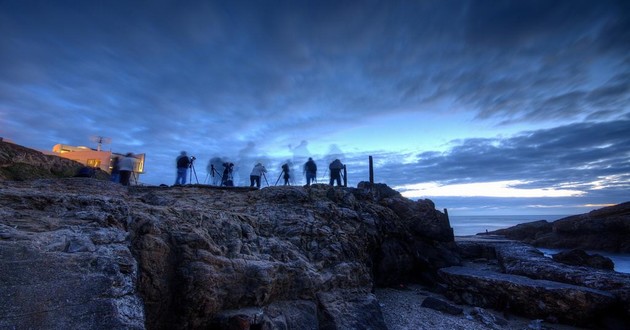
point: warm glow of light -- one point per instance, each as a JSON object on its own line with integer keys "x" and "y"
{"x": 598, "y": 205}
{"x": 482, "y": 189}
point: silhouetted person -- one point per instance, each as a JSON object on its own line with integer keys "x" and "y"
{"x": 285, "y": 174}
{"x": 183, "y": 163}
{"x": 127, "y": 164}
{"x": 335, "y": 172}
{"x": 227, "y": 179}
{"x": 115, "y": 175}
{"x": 310, "y": 169}
{"x": 258, "y": 171}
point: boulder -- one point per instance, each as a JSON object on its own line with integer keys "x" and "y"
{"x": 577, "y": 257}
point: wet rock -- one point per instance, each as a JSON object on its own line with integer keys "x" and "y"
{"x": 577, "y": 257}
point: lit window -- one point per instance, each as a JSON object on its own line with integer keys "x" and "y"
{"x": 94, "y": 162}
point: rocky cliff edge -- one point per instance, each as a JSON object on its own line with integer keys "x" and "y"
{"x": 84, "y": 253}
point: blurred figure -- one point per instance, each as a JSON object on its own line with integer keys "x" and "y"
{"x": 335, "y": 172}
{"x": 214, "y": 164}
{"x": 258, "y": 171}
{"x": 115, "y": 175}
{"x": 126, "y": 166}
{"x": 183, "y": 162}
{"x": 285, "y": 174}
{"x": 310, "y": 170}
{"x": 227, "y": 179}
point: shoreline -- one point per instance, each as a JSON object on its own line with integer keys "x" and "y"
{"x": 402, "y": 310}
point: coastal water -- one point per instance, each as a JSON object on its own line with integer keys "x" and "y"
{"x": 464, "y": 225}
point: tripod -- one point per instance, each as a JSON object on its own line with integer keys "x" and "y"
{"x": 192, "y": 170}
{"x": 264, "y": 176}
{"x": 288, "y": 181}
{"x": 213, "y": 171}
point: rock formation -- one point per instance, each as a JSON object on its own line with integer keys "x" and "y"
{"x": 20, "y": 163}
{"x": 577, "y": 257}
{"x": 605, "y": 229}
{"x": 86, "y": 253}
{"x": 525, "y": 282}
{"x": 82, "y": 253}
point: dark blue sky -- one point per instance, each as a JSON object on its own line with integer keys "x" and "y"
{"x": 482, "y": 106}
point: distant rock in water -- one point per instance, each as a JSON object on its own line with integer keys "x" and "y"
{"x": 605, "y": 229}
{"x": 525, "y": 232}
{"x": 578, "y": 257}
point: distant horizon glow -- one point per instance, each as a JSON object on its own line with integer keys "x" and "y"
{"x": 505, "y": 189}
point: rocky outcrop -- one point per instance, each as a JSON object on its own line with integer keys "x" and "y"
{"x": 522, "y": 295}
{"x": 20, "y": 163}
{"x": 65, "y": 260}
{"x": 606, "y": 229}
{"x": 85, "y": 253}
{"x": 523, "y": 281}
{"x": 577, "y": 257}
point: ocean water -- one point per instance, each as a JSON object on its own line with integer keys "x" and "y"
{"x": 464, "y": 225}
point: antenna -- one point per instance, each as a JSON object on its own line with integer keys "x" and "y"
{"x": 100, "y": 140}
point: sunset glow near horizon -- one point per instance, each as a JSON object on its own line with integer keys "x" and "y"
{"x": 498, "y": 107}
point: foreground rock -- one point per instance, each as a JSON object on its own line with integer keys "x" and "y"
{"x": 515, "y": 277}
{"x": 84, "y": 253}
{"x": 606, "y": 229}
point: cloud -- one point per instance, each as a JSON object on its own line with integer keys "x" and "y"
{"x": 583, "y": 157}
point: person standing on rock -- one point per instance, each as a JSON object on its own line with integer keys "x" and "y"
{"x": 258, "y": 171}
{"x": 115, "y": 175}
{"x": 127, "y": 165}
{"x": 285, "y": 174}
{"x": 335, "y": 172}
{"x": 183, "y": 163}
{"x": 227, "y": 178}
{"x": 310, "y": 170}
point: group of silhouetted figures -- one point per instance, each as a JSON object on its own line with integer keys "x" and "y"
{"x": 184, "y": 163}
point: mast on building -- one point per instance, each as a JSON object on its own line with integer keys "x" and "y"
{"x": 100, "y": 140}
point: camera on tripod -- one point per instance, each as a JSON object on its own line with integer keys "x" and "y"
{"x": 192, "y": 158}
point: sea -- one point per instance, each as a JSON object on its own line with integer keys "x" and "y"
{"x": 466, "y": 225}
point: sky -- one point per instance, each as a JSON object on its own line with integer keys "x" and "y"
{"x": 484, "y": 107}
